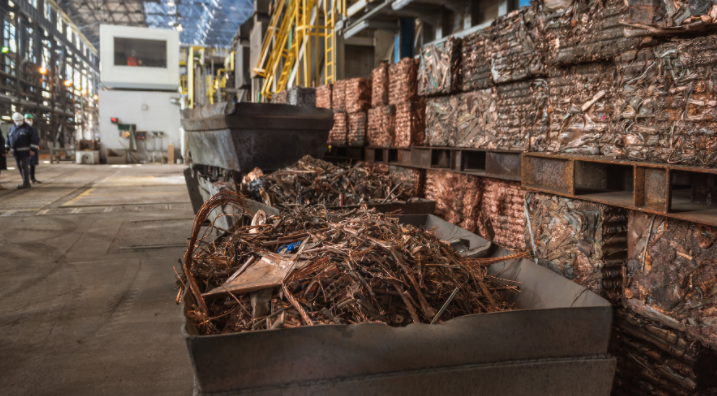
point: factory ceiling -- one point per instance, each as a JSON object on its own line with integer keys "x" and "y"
{"x": 200, "y": 22}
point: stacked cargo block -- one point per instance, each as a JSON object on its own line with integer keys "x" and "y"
{"x": 357, "y": 99}
{"x": 410, "y": 108}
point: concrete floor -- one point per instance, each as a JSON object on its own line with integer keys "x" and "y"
{"x": 87, "y": 283}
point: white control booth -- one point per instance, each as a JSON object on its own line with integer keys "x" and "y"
{"x": 139, "y": 73}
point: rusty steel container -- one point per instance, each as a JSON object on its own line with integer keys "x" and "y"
{"x": 554, "y": 343}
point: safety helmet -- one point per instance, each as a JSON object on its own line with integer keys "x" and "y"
{"x": 29, "y": 116}
{"x": 17, "y": 117}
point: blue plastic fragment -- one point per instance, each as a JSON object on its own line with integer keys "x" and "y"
{"x": 288, "y": 247}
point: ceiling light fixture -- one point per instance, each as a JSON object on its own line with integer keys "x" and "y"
{"x": 179, "y": 28}
{"x": 170, "y": 3}
{"x": 171, "y": 23}
{"x": 43, "y": 70}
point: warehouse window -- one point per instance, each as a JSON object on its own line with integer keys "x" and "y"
{"x": 48, "y": 12}
{"x": 9, "y": 36}
{"x": 140, "y": 52}
{"x": 59, "y": 22}
{"x": 33, "y": 3}
{"x": 30, "y": 49}
{"x": 69, "y": 33}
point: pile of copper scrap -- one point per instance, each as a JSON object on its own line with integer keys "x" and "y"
{"x": 672, "y": 274}
{"x": 475, "y": 119}
{"x": 585, "y": 31}
{"x": 379, "y": 86}
{"x": 357, "y": 129}
{"x": 654, "y": 359}
{"x": 402, "y": 81}
{"x": 585, "y": 242}
{"x": 514, "y": 52}
{"x": 308, "y": 266}
{"x": 280, "y": 97}
{"x": 581, "y": 109}
{"x": 439, "y": 72}
{"x": 441, "y": 120}
{"x": 410, "y": 129}
{"x": 521, "y": 111}
{"x": 339, "y": 132}
{"x": 412, "y": 180}
{"x": 300, "y": 96}
{"x": 357, "y": 93}
{"x": 312, "y": 181}
{"x": 323, "y": 96}
{"x": 666, "y": 102}
{"x": 502, "y": 213}
{"x": 457, "y": 197}
{"x": 381, "y": 126}
{"x": 338, "y": 96}
{"x": 475, "y": 61}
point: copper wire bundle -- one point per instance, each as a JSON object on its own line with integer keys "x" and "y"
{"x": 323, "y": 96}
{"x": 475, "y": 119}
{"x": 379, "y": 86}
{"x": 357, "y": 92}
{"x": 457, "y": 197}
{"x": 502, "y": 203}
{"x": 381, "y": 126}
{"x": 410, "y": 127}
{"x": 439, "y": 72}
{"x": 280, "y": 97}
{"x": 339, "y": 132}
{"x": 402, "y": 81}
{"x": 338, "y": 96}
{"x": 441, "y": 120}
{"x": 357, "y": 129}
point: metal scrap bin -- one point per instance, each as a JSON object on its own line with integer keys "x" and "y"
{"x": 555, "y": 343}
{"x": 242, "y": 136}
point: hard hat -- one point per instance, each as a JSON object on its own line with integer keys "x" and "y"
{"x": 29, "y": 116}
{"x": 17, "y": 117}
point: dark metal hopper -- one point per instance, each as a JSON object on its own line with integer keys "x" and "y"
{"x": 242, "y": 136}
{"x": 555, "y": 344}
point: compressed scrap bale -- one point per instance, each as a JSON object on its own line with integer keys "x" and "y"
{"x": 441, "y": 121}
{"x": 667, "y": 101}
{"x": 339, "y": 132}
{"x": 402, "y": 84}
{"x": 521, "y": 110}
{"x": 653, "y": 359}
{"x": 381, "y": 126}
{"x": 410, "y": 128}
{"x": 514, "y": 52}
{"x": 580, "y": 111}
{"x": 338, "y": 96}
{"x": 672, "y": 274}
{"x": 457, "y": 197}
{"x": 475, "y": 119}
{"x": 584, "y": 31}
{"x": 439, "y": 72}
{"x": 323, "y": 96}
{"x": 412, "y": 180}
{"x": 503, "y": 204}
{"x": 379, "y": 86}
{"x": 357, "y": 94}
{"x": 280, "y": 97}
{"x": 304, "y": 97}
{"x": 583, "y": 241}
{"x": 357, "y": 129}
{"x": 475, "y": 61}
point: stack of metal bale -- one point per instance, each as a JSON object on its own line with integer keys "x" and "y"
{"x": 300, "y": 96}
{"x": 475, "y": 61}
{"x": 581, "y": 110}
{"x": 521, "y": 108}
{"x": 439, "y": 72}
{"x": 513, "y": 46}
{"x": 323, "y": 96}
{"x": 280, "y": 97}
{"x": 583, "y": 241}
{"x": 666, "y": 335}
{"x": 338, "y": 134}
{"x": 410, "y": 109}
{"x": 338, "y": 96}
{"x": 502, "y": 205}
{"x": 357, "y": 99}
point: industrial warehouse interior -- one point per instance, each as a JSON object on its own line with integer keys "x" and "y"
{"x": 358, "y": 197}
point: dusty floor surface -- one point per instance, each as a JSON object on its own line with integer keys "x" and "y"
{"x": 87, "y": 283}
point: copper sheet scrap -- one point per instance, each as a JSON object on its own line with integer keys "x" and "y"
{"x": 439, "y": 72}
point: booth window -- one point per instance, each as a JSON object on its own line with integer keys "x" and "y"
{"x": 140, "y": 53}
